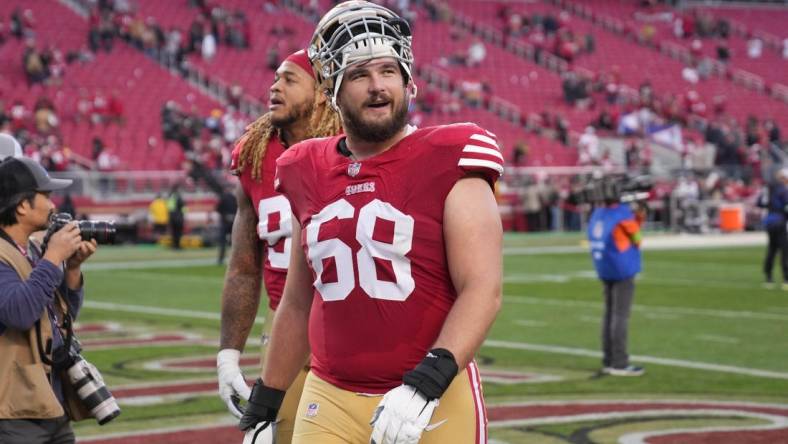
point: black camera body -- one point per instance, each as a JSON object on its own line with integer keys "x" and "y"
{"x": 617, "y": 188}
{"x": 102, "y": 232}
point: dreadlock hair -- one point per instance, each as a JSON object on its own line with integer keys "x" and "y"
{"x": 324, "y": 122}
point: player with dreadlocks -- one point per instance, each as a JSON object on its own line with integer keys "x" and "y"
{"x": 262, "y": 228}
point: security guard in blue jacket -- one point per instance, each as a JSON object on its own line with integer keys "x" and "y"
{"x": 775, "y": 200}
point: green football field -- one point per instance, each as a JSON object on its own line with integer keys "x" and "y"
{"x": 702, "y": 325}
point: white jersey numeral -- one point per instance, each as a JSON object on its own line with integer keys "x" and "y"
{"x": 271, "y": 232}
{"x": 320, "y": 251}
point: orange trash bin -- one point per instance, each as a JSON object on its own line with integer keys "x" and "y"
{"x": 731, "y": 218}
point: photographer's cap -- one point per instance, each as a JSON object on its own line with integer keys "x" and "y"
{"x": 21, "y": 175}
{"x": 9, "y": 147}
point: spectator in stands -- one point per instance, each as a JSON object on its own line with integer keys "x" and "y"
{"x": 588, "y": 147}
{"x": 754, "y": 47}
{"x": 773, "y": 131}
{"x": 477, "y": 52}
{"x": 775, "y": 200}
{"x": 723, "y": 52}
{"x": 175, "y": 214}
{"x": 272, "y": 58}
{"x": 33, "y": 64}
{"x": 208, "y": 47}
{"x": 196, "y": 34}
{"x": 520, "y": 153}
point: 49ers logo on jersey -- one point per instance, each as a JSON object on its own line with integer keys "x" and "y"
{"x": 335, "y": 257}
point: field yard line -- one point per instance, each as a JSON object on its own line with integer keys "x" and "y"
{"x": 140, "y": 264}
{"x": 177, "y": 312}
{"x": 219, "y": 422}
{"x": 658, "y": 242}
{"x": 639, "y": 358}
{"x": 527, "y": 278}
{"x": 776, "y": 423}
{"x": 666, "y": 309}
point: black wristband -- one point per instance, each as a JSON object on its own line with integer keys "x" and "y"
{"x": 264, "y": 403}
{"x": 434, "y": 374}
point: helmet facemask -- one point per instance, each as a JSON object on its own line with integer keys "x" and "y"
{"x": 354, "y": 32}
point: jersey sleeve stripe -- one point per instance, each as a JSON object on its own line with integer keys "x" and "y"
{"x": 485, "y": 139}
{"x": 482, "y": 150}
{"x": 489, "y": 164}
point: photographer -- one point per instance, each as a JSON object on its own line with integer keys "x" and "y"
{"x": 614, "y": 237}
{"x": 36, "y": 294}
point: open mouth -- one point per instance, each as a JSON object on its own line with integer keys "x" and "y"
{"x": 381, "y": 104}
{"x": 275, "y": 101}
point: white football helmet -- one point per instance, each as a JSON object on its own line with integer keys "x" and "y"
{"x": 355, "y": 31}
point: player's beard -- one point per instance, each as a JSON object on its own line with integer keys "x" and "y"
{"x": 376, "y": 132}
{"x": 298, "y": 112}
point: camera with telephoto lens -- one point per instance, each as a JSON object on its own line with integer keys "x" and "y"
{"x": 102, "y": 232}
{"x": 616, "y": 188}
{"x": 87, "y": 383}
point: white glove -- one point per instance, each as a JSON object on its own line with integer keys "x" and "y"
{"x": 263, "y": 433}
{"x": 401, "y": 416}
{"x": 231, "y": 381}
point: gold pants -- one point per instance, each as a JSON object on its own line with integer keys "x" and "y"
{"x": 287, "y": 413}
{"x": 330, "y": 415}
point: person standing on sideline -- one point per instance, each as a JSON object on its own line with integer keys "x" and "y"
{"x": 159, "y": 215}
{"x": 614, "y": 237}
{"x": 225, "y": 208}
{"x": 39, "y": 290}
{"x": 261, "y": 234}
{"x": 775, "y": 200}
{"x": 175, "y": 214}
{"x": 395, "y": 271}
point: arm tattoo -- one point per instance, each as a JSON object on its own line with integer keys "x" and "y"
{"x": 242, "y": 282}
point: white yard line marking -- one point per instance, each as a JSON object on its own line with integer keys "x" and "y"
{"x": 717, "y": 338}
{"x": 175, "y": 312}
{"x": 219, "y": 422}
{"x": 588, "y": 319}
{"x": 529, "y": 323}
{"x": 163, "y": 263}
{"x": 640, "y": 358}
{"x": 727, "y": 314}
{"x": 775, "y": 422}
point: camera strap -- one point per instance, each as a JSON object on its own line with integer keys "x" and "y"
{"x": 59, "y": 356}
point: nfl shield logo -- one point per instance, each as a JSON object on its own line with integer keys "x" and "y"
{"x": 353, "y": 169}
{"x": 311, "y": 410}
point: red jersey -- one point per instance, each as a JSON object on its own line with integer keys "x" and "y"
{"x": 372, "y": 232}
{"x": 274, "y": 218}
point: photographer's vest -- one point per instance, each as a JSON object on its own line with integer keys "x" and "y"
{"x": 610, "y": 263}
{"x": 25, "y": 390}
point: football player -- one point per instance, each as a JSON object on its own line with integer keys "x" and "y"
{"x": 262, "y": 228}
{"x": 396, "y": 274}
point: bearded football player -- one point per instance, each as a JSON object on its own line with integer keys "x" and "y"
{"x": 395, "y": 274}
{"x": 262, "y": 228}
